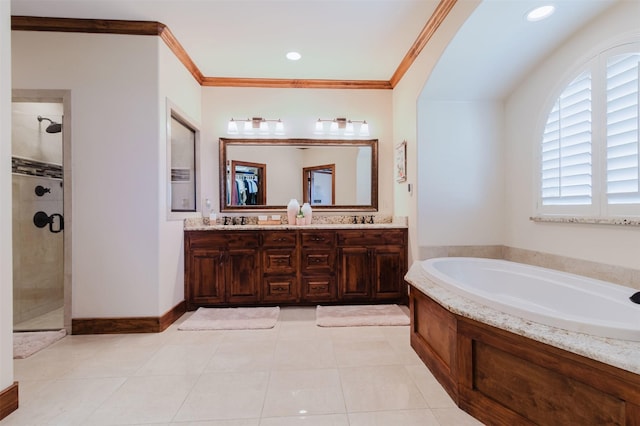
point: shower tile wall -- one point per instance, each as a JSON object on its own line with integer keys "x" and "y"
{"x": 38, "y": 277}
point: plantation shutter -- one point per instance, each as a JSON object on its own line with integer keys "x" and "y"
{"x": 623, "y": 116}
{"x": 566, "y": 147}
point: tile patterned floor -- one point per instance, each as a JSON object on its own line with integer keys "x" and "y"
{"x": 294, "y": 374}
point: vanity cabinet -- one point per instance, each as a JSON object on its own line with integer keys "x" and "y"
{"x": 246, "y": 267}
{"x": 221, "y": 268}
{"x": 372, "y": 264}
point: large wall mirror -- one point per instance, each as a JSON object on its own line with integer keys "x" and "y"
{"x": 330, "y": 174}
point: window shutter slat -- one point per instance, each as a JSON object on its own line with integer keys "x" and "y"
{"x": 566, "y": 147}
{"x": 623, "y": 136}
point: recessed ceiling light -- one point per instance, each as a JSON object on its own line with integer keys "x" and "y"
{"x": 540, "y": 13}
{"x": 293, "y": 56}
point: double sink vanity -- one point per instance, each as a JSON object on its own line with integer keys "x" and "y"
{"x": 262, "y": 265}
{"x": 331, "y": 261}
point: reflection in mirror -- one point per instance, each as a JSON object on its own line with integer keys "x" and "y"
{"x": 264, "y": 174}
{"x": 319, "y": 185}
{"x": 183, "y": 153}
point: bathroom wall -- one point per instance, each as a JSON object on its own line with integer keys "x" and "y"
{"x": 526, "y": 110}
{"x": 115, "y": 154}
{"x": 6, "y": 262}
{"x": 178, "y": 88}
{"x": 38, "y": 279}
{"x": 461, "y": 174}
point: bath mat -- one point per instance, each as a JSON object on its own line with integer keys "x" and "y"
{"x": 231, "y": 319}
{"x": 28, "y": 343}
{"x": 360, "y": 315}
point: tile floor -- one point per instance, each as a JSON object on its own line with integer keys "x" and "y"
{"x": 53, "y": 320}
{"x": 294, "y": 374}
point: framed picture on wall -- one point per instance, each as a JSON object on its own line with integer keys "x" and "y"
{"x": 401, "y": 162}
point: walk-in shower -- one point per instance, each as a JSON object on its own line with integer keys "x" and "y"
{"x": 37, "y": 202}
{"x": 53, "y": 127}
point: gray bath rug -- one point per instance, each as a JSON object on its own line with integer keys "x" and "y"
{"x": 28, "y": 343}
{"x": 361, "y": 315}
{"x": 231, "y": 319}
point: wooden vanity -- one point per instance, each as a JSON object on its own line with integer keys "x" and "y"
{"x": 245, "y": 266}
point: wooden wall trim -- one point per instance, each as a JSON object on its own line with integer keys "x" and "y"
{"x": 296, "y": 83}
{"x": 128, "y": 324}
{"x": 8, "y": 400}
{"x": 73, "y": 25}
{"x": 174, "y": 45}
{"x": 434, "y": 22}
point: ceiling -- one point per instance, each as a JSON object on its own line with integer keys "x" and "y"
{"x": 338, "y": 39}
{"x": 342, "y": 39}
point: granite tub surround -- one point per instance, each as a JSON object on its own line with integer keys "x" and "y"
{"x": 622, "y": 354}
{"x": 319, "y": 222}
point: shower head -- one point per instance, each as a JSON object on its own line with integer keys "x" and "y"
{"x": 53, "y": 127}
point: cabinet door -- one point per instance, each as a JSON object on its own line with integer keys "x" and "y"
{"x": 206, "y": 278}
{"x": 388, "y": 278}
{"x": 242, "y": 276}
{"x": 355, "y": 274}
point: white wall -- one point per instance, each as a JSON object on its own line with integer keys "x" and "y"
{"x": 461, "y": 191}
{"x": 178, "y": 86}
{"x": 6, "y": 268}
{"x": 299, "y": 109}
{"x": 526, "y": 110}
{"x": 405, "y": 117}
{"x": 115, "y": 159}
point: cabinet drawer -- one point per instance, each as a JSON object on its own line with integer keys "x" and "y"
{"x": 214, "y": 239}
{"x": 318, "y": 239}
{"x": 318, "y": 260}
{"x": 205, "y": 239}
{"x": 280, "y": 289}
{"x": 279, "y": 239}
{"x": 279, "y": 261}
{"x": 242, "y": 239}
{"x": 371, "y": 237}
{"x": 318, "y": 288}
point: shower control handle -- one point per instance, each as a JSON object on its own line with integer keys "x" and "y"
{"x": 41, "y": 219}
{"x": 41, "y": 190}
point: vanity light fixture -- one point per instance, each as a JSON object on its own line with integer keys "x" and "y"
{"x": 342, "y": 126}
{"x": 250, "y": 126}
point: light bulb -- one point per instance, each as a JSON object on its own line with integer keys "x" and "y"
{"x": 232, "y": 127}
{"x": 348, "y": 130}
{"x": 319, "y": 128}
{"x": 540, "y": 13}
{"x": 248, "y": 127}
{"x": 279, "y": 128}
{"x": 333, "y": 129}
{"x": 364, "y": 129}
{"x": 264, "y": 127}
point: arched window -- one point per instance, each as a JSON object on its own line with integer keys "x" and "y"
{"x": 590, "y": 148}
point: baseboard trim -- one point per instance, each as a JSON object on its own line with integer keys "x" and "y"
{"x": 128, "y": 325}
{"x": 8, "y": 400}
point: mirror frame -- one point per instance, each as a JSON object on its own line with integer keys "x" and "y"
{"x": 372, "y": 143}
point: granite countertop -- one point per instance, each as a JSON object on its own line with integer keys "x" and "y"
{"x": 624, "y": 354}
{"x": 291, "y": 227}
{"x": 319, "y": 222}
